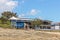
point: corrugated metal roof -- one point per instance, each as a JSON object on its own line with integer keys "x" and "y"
{"x": 14, "y": 18}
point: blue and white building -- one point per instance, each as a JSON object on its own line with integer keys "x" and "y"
{"x": 25, "y": 23}
{"x": 20, "y": 22}
{"x": 56, "y": 25}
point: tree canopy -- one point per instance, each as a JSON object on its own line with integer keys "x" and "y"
{"x": 36, "y": 22}
{"x": 8, "y": 14}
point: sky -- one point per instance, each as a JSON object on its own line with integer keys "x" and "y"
{"x": 42, "y": 9}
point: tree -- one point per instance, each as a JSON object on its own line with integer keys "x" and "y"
{"x": 36, "y": 22}
{"x": 3, "y": 20}
{"x": 8, "y": 14}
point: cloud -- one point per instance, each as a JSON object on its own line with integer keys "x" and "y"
{"x": 40, "y": 17}
{"x": 34, "y": 12}
{"x": 7, "y": 5}
{"x": 22, "y": 15}
{"x": 23, "y": 1}
{"x": 11, "y": 3}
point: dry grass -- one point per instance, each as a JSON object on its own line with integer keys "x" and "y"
{"x": 14, "y": 34}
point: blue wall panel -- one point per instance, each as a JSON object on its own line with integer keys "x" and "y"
{"x": 17, "y": 23}
{"x": 20, "y": 24}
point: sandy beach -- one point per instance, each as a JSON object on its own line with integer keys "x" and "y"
{"x": 18, "y": 34}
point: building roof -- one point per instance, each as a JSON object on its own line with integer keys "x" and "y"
{"x": 15, "y": 18}
{"x": 56, "y": 23}
{"x": 47, "y": 21}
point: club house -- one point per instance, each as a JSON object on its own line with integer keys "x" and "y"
{"x": 20, "y": 22}
{"x": 25, "y": 23}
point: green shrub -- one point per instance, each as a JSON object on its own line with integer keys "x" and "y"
{"x": 5, "y": 25}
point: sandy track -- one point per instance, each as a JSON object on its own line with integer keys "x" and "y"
{"x": 14, "y": 34}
